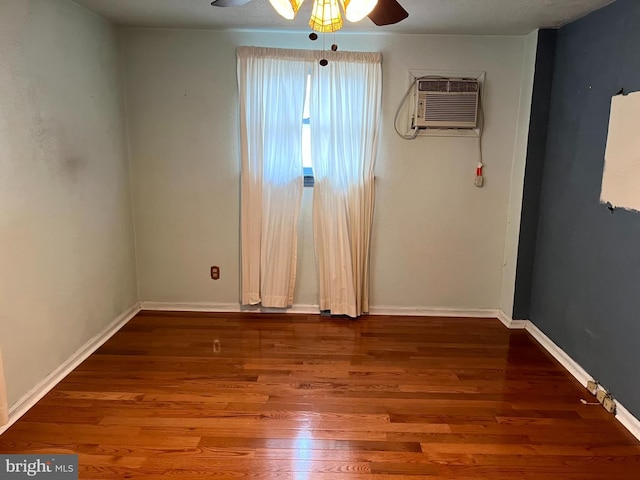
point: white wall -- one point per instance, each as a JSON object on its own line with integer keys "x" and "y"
{"x": 67, "y": 264}
{"x": 517, "y": 176}
{"x": 438, "y": 241}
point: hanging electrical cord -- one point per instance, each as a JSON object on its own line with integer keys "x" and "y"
{"x": 414, "y": 130}
{"x": 403, "y": 102}
{"x": 479, "y": 181}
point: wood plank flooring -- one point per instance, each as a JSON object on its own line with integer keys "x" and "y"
{"x": 307, "y": 397}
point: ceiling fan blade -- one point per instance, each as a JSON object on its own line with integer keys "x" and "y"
{"x": 388, "y": 12}
{"x": 229, "y": 3}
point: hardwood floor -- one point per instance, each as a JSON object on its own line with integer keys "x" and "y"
{"x": 307, "y": 397}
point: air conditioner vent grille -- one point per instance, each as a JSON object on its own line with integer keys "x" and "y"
{"x": 451, "y": 108}
{"x": 433, "y": 85}
{"x": 447, "y": 103}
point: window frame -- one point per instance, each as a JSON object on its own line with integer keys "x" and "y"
{"x": 307, "y": 172}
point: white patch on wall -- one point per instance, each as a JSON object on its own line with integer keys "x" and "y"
{"x": 621, "y": 177}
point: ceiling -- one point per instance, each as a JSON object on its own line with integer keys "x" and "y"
{"x": 460, "y": 17}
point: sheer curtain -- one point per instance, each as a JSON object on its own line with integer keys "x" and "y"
{"x": 345, "y": 109}
{"x": 271, "y": 92}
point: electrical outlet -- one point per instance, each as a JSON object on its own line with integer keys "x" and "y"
{"x": 592, "y": 386}
{"x": 609, "y": 404}
{"x": 215, "y": 272}
{"x": 601, "y": 395}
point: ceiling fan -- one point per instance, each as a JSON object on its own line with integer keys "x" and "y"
{"x": 385, "y": 12}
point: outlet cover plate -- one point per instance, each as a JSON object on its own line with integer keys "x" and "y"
{"x": 601, "y": 395}
{"x": 609, "y": 405}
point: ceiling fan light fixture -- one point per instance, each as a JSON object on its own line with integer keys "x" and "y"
{"x": 325, "y": 16}
{"x": 356, "y": 10}
{"x": 286, "y": 8}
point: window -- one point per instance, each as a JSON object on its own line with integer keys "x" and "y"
{"x": 307, "y": 165}
{"x": 343, "y": 141}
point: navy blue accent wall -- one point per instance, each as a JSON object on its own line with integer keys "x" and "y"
{"x": 586, "y": 279}
{"x": 536, "y": 152}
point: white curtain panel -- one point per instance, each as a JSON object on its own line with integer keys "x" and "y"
{"x": 345, "y": 109}
{"x": 4, "y": 408}
{"x": 271, "y": 93}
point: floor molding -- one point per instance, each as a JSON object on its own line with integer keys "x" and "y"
{"x": 433, "y": 312}
{"x": 510, "y": 322}
{"x": 223, "y": 308}
{"x": 29, "y": 399}
{"x": 190, "y": 307}
{"x": 623, "y": 415}
{"x": 315, "y": 309}
{"x": 629, "y": 422}
{"x": 560, "y": 355}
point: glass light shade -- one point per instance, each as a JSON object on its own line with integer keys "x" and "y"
{"x": 326, "y": 16}
{"x": 286, "y": 8}
{"x": 356, "y": 10}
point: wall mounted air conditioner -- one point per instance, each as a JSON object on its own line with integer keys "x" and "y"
{"x": 447, "y": 103}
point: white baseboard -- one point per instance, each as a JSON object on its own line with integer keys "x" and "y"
{"x": 629, "y": 422}
{"x": 510, "y": 322}
{"x": 433, "y": 312}
{"x": 32, "y": 397}
{"x": 623, "y": 415}
{"x": 223, "y": 307}
{"x": 311, "y": 309}
{"x": 565, "y": 360}
{"x": 190, "y": 307}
